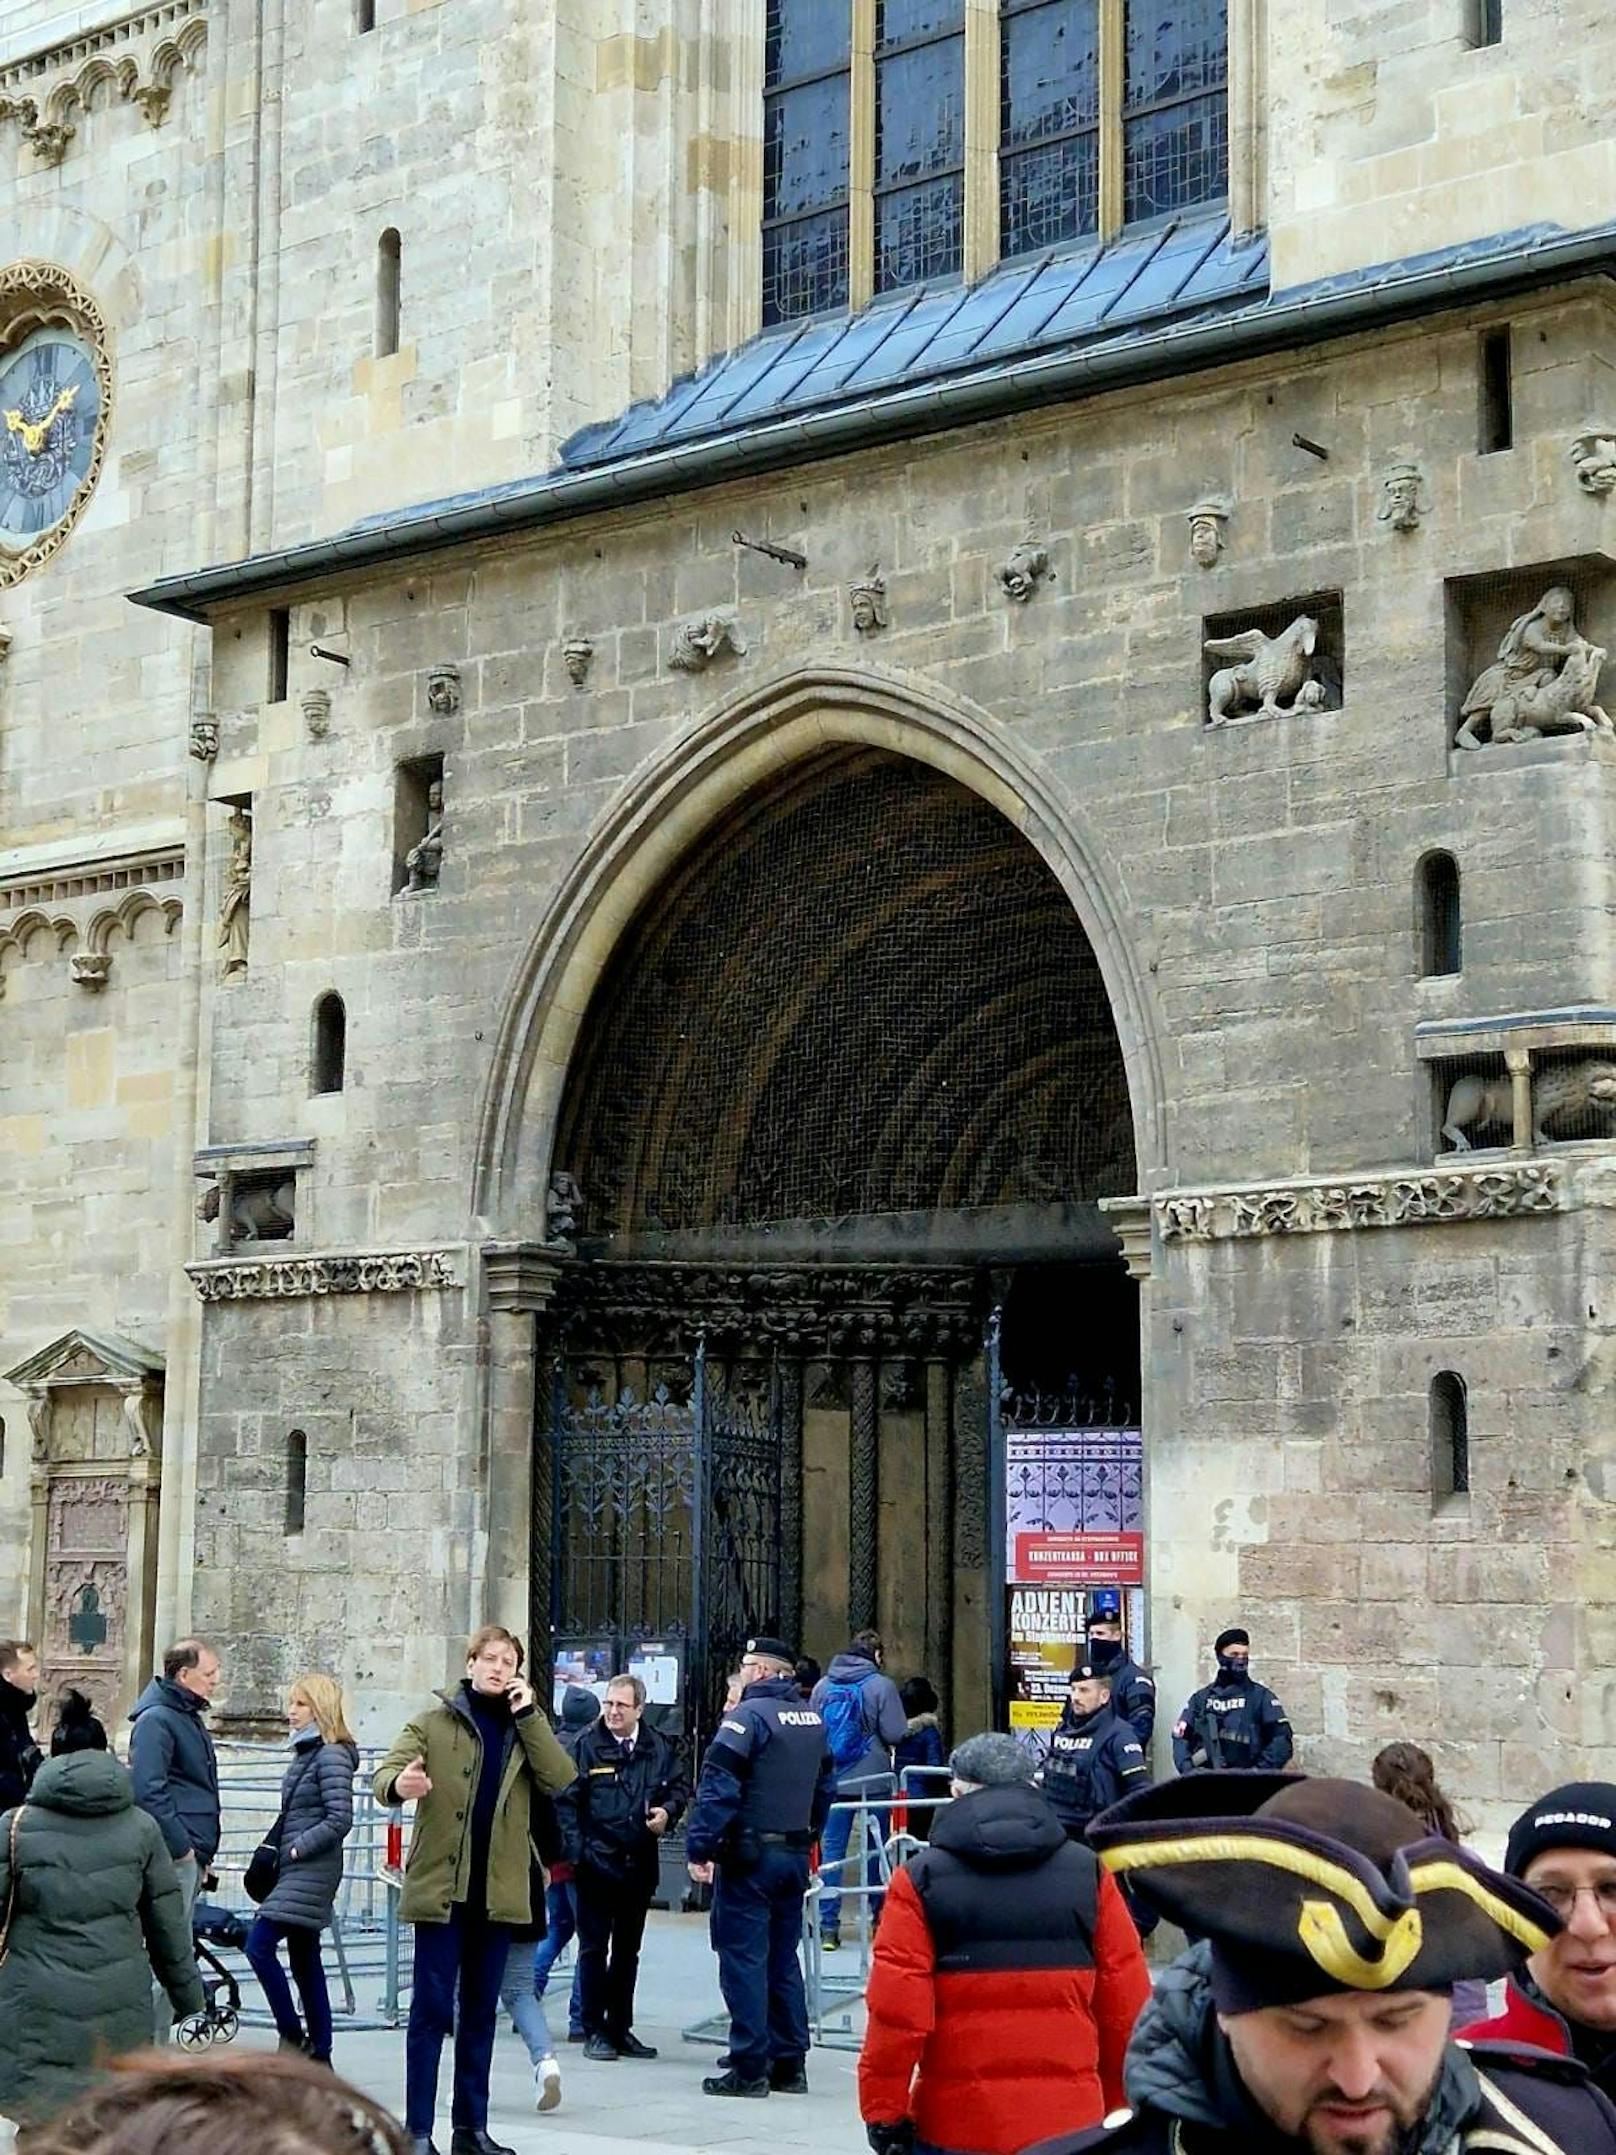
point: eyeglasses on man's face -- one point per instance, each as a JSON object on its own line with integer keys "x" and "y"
{"x": 1563, "y": 1899}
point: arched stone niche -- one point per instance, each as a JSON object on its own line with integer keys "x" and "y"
{"x": 95, "y": 1412}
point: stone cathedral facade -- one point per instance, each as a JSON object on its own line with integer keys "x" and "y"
{"x": 743, "y": 742}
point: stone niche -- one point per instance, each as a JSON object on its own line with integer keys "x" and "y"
{"x": 95, "y": 1411}
{"x": 1481, "y": 612}
{"x": 1521, "y": 1084}
{"x": 1322, "y": 671}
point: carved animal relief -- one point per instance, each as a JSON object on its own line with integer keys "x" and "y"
{"x": 1594, "y": 455}
{"x": 1272, "y": 675}
{"x": 1025, "y": 570}
{"x": 1478, "y": 1103}
{"x": 704, "y": 637}
{"x": 1544, "y": 680}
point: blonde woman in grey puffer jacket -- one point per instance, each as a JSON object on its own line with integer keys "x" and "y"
{"x": 317, "y": 1803}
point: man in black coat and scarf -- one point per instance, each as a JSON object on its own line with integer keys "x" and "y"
{"x": 1314, "y": 2018}
{"x": 19, "y": 1754}
{"x": 630, "y": 1793}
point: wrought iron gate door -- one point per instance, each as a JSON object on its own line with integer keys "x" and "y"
{"x": 659, "y": 1512}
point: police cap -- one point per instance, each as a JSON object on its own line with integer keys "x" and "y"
{"x": 773, "y": 1650}
{"x": 1086, "y": 1673}
{"x": 1311, "y": 1886}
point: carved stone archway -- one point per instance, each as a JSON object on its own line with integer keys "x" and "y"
{"x": 95, "y": 1411}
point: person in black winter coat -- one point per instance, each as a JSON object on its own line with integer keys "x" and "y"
{"x": 1095, "y": 1759}
{"x": 630, "y": 1793}
{"x": 1133, "y": 1695}
{"x": 317, "y": 1805}
{"x": 19, "y": 1754}
{"x": 175, "y": 1773}
{"x": 1234, "y": 1720}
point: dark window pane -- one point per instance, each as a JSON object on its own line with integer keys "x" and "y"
{"x": 920, "y": 111}
{"x": 805, "y": 266}
{"x": 806, "y": 37}
{"x": 1050, "y": 70}
{"x": 1176, "y": 157}
{"x": 897, "y": 20}
{"x": 1175, "y": 49}
{"x": 919, "y": 233}
{"x": 1049, "y": 194}
{"x": 805, "y": 147}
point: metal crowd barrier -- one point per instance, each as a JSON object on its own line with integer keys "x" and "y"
{"x": 367, "y": 1939}
{"x": 879, "y": 1836}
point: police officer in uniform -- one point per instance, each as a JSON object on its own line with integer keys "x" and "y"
{"x": 1232, "y": 1721}
{"x": 766, "y": 1787}
{"x": 1133, "y": 1695}
{"x": 1095, "y": 1759}
{"x": 1315, "y": 2016}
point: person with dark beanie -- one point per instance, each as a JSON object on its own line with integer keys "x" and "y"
{"x": 1564, "y": 1999}
{"x": 474, "y": 1763}
{"x": 19, "y": 1754}
{"x": 90, "y": 1909}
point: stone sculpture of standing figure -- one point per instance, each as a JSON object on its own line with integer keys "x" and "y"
{"x": 236, "y": 910}
{"x": 425, "y": 859}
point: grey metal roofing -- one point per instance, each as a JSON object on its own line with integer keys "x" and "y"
{"x": 1055, "y": 298}
{"x": 1152, "y": 307}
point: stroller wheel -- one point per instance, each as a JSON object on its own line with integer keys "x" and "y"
{"x": 195, "y": 2033}
{"x": 226, "y": 2025}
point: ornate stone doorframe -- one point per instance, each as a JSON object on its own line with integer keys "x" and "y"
{"x": 95, "y": 1410}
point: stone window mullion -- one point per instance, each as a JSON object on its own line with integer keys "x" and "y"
{"x": 1113, "y": 72}
{"x": 861, "y": 162}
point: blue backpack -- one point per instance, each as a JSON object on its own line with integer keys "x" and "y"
{"x": 842, "y": 1711}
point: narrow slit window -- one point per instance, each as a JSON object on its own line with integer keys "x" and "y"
{"x": 280, "y": 652}
{"x": 1497, "y": 428}
{"x": 330, "y": 1044}
{"x": 1450, "y": 1436}
{"x": 806, "y": 129}
{"x": 1049, "y": 123}
{"x": 364, "y": 15}
{"x": 919, "y": 141}
{"x": 1484, "y": 23}
{"x": 389, "y": 268}
{"x": 297, "y": 1479}
{"x": 1440, "y": 927}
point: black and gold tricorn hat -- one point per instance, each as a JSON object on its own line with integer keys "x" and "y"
{"x": 1311, "y": 1886}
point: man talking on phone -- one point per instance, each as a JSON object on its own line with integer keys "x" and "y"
{"x": 471, "y": 1763}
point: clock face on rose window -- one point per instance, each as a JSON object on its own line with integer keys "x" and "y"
{"x": 50, "y": 418}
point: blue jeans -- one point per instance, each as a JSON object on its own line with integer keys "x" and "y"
{"x": 561, "y": 1917}
{"x": 756, "y": 1930}
{"x": 834, "y": 1863}
{"x": 308, "y": 1973}
{"x": 527, "y": 1975}
{"x": 467, "y": 1955}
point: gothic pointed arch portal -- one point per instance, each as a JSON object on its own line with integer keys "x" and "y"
{"x": 848, "y": 1079}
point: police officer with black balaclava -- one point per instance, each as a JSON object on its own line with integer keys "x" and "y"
{"x": 1094, "y": 1758}
{"x": 1133, "y": 1695}
{"x": 1232, "y": 1721}
{"x": 766, "y": 1788}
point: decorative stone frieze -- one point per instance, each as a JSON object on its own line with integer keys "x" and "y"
{"x": 1501, "y": 1190}
{"x": 137, "y": 61}
{"x": 266, "y": 1279}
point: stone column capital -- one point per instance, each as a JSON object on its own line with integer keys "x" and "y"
{"x": 520, "y": 1275}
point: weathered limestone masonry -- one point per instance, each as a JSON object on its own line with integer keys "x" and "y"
{"x": 575, "y": 192}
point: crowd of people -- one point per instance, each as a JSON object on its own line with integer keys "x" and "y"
{"x": 1333, "y": 1999}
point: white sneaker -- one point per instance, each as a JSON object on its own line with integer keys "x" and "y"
{"x": 547, "y": 2084}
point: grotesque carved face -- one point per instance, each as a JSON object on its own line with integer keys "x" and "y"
{"x": 1206, "y": 540}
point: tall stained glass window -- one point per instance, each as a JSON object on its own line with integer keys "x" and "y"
{"x": 919, "y": 140}
{"x": 807, "y": 57}
{"x": 1175, "y": 109}
{"x": 1049, "y": 142}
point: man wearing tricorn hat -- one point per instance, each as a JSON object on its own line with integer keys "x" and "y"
{"x": 1314, "y": 2016}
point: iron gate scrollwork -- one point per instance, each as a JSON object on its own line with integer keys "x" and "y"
{"x": 657, "y": 1512}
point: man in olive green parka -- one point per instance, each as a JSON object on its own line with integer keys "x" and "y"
{"x": 473, "y": 1763}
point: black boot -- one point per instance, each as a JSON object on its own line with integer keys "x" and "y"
{"x": 630, "y": 2046}
{"x": 787, "y": 2077}
{"x": 731, "y": 2083}
{"x": 464, "y": 2141}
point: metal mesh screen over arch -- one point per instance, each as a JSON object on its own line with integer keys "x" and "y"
{"x": 863, "y": 993}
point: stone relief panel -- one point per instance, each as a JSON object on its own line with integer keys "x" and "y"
{"x": 381, "y": 1272}
{"x": 704, "y": 637}
{"x": 1273, "y": 661}
{"x": 1544, "y": 679}
{"x": 1504, "y": 1191}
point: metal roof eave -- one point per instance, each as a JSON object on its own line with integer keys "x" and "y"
{"x": 1312, "y": 315}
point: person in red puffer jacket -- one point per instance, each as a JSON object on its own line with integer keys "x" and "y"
{"x": 1006, "y": 1978}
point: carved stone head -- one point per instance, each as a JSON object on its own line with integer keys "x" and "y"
{"x": 868, "y": 598}
{"x": 90, "y": 968}
{"x": 1594, "y": 455}
{"x": 576, "y": 654}
{"x": 317, "y": 712}
{"x": 204, "y": 739}
{"x": 443, "y": 690}
{"x": 1025, "y": 569}
{"x": 1401, "y": 497}
{"x": 1206, "y": 522}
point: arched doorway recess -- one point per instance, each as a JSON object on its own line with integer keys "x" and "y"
{"x": 849, "y": 1079}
